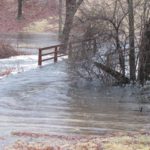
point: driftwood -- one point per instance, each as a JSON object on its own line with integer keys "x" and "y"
{"x": 117, "y": 75}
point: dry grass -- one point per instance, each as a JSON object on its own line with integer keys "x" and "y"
{"x": 6, "y": 50}
{"x": 137, "y": 142}
{"x": 114, "y": 141}
{"x": 21, "y": 145}
{"x": 43, "y": 25}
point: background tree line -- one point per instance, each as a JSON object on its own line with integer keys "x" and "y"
{"x": 121, "y": 27}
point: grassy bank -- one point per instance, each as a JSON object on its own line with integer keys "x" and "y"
{"x": 111, "y": 141}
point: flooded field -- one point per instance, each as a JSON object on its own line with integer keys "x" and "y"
{"x": 52, "y": 100}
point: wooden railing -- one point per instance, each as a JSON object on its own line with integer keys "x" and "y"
{"x": 56, "y": 52}
{"x": 50, "y": 55}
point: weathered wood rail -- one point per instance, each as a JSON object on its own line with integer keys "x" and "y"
{"x": 54, "y": 54}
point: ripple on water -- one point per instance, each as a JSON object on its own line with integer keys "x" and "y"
{"x": 51, "y": 100}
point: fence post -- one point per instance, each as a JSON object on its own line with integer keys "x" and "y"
{"x": 40, "y": 57}
{"x": 55, "y": 55}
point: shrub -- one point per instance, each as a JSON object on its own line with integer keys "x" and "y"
{"x": 6, "y": 50}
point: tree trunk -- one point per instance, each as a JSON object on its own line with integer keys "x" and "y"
{"x": 120, "y": 53}
{"x": 19, "y": 15}
{"x": 60, "y": 18}
{"x": 71, "y": 8}
{"x": 131, "y": 42}
{"x": 70, "y": 12}
{"x": 117, "y": 75}
{"x": 144, "y": 57}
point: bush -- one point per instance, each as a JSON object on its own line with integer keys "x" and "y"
{"x": 6, "y": 50}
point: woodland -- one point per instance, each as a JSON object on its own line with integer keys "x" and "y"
{"x": 97, "y": 96}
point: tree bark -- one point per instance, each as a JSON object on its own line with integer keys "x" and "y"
{"x": 19, "y": 15}
{"x": 120, "y": 53}
{"x": 60, "y": 18}
{"x": 71, "y": 8}
{"x": 131, "y": 42}
{"x": 144, "y": 55}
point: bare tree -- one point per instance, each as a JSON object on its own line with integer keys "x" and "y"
{"x": 60, "y": 17}
{"x": 108, "y": 28}
{"x": 71, "y": 9}
{"x": 117, "y": 32}
{"x": 144, "y": 58}
{"x": 19, "y": 14}
{"x": 116, "y": 21}
{"x": 131, "y": 41}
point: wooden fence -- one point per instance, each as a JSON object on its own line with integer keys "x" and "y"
{"x": 53, "y": 55}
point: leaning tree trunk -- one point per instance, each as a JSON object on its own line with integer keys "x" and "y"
{"x": 144, "y": 55}
{"x": 19, "y": 15}
{"x": 117, "y": 75}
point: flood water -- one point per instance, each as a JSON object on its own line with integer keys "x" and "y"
{"x": 30, "y": 42}
{"x": 52, "y": 100}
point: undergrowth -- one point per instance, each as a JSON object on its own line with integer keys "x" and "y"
{"x": 6, "y": 50}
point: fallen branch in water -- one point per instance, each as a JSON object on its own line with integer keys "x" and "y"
{"x": 117, "y": 75}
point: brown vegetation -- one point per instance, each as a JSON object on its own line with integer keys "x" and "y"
{"x": 21, "y": 145}
{"x": 6, "y": 50}
{"x": 110, "y": 141}
{"x": 33, "y": 10}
